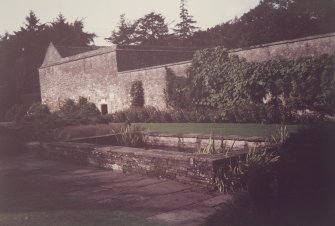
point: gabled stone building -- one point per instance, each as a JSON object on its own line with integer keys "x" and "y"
{"x": 104, "y": 75}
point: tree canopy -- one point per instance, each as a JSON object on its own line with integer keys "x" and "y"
{"x": 125, "y": 33}
{"x": 270, "y": 21}
{"x": 185, "y": 28}
{"x": 22, "y": 53}
{"x": 151, "y": 29}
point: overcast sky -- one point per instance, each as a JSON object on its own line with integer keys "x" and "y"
{"x": 102, "y": 16}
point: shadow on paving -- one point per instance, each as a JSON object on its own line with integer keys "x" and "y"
{"x": 37, "y": 193}
{"x": 35, "y": 188}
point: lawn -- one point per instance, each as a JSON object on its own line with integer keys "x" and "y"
{"x": 241, "y": 129}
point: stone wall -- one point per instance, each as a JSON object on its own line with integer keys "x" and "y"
{"x": 95, "y": 74}
{"x": 180, "y": 166}
{"x": 190, "y": 142}
{"x": 154, "y": 84}
{"x": 196, "y": 141}
{"x": 289, "y": 49}
{"x": 87, "y": 76}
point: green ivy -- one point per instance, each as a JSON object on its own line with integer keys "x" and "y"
{"x": 225, "y": 82}
{"x": 137, "y": 94}
{"x": 177, "y": 93}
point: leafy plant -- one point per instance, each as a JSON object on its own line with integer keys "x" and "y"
{"x": 37, "y": 111}
{"x": 176, "y": 93}
{"x": 16, "y": 112}
{"x": 280, "y": 135}
{"x": 137, "y": 94}
{"x": 81, "y": 112}
{"x": 229, "y": 176}
{"x": 254, "y": 172}
{"x": 210, "y": 147}
{"x": 307, "y": 166}
{"x": 222, "y": 81}
{"x": 130, "y": 136}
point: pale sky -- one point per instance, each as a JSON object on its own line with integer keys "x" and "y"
{"x": 102, "y": 16}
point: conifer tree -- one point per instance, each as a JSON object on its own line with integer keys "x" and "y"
{"x": 185, "y": 28}
{"x": 125, "y": 33}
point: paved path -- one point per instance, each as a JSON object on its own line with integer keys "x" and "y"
{"x": 29, "y": 183}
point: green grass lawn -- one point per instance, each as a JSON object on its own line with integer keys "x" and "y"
{"x": 245, "y": 129}
{"x": 73, "y": 217}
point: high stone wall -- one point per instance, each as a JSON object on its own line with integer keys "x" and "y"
{"x": 289, "y": 49}
{"x": 95, "y": 74}
{"x": 83, "y": 77}
{"x": 154, "y": 84}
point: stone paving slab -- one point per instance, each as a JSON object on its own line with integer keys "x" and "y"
{"x": 180, "y": 217}
{"x": 29, "y": 183}
{"x": 166, "y": 187}
{"x": 128, "y": 182}
{"x": 167, "y": 202}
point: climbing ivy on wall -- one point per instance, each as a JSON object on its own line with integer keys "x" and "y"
{"x": 225, "y": 82}
{"x": 137, "y": 94}
{"x": 176, "y": 93}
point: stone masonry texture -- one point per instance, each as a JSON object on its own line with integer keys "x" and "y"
{"x": 103, "y": 77}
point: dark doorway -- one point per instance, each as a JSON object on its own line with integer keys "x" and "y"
{"x": 104, "y": 110}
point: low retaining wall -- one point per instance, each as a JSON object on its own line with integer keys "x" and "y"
{"x": 181, "y": 166}
{"x": 190, "y": 142}
{"x": 196, "y": 141}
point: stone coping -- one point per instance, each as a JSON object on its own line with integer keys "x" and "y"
{"x": 104, "y": 50}
{"x": 207, "y": 136}
{"x": 283, "y": 42}
{"x": 152, "y": 153}
{"x": 155, "y": 67}
{"x": 186, "y": 135}
{"x": 80, "y": 56}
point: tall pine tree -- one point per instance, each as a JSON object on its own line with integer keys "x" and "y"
{"x": 185, "y": 29}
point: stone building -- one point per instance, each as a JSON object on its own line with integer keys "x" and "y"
{"x": 104, "y": 75}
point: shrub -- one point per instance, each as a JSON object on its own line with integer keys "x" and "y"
{"x": 255, "y": 172}
{"x": 260, "y": 172}
{"x": 177, "y": 93}
{"x": 68, "y": 109}
{"x": 16, "y": 112}
{"x": 81, "y": 112}
{"x": 233, "y": 86}
{"x": 307, "y": 168}
{"x": 137, "y": 94}
{"x": 130, "y": 136}
{"x": 37, "y": 111}
{"x": 150, "y": 114}
{"x": 242, "y": 113}
{"x": 87, "y": 109}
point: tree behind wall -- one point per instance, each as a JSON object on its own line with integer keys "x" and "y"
{"x": 125, "y": 32}
{"x": 185, "y": 29}
{"x": 22, "y": 53}
{"x": 270, "y": 21}
{"x": 151, "y": 29}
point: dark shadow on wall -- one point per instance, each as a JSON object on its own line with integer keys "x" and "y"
{"x": 177, "y": 92}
